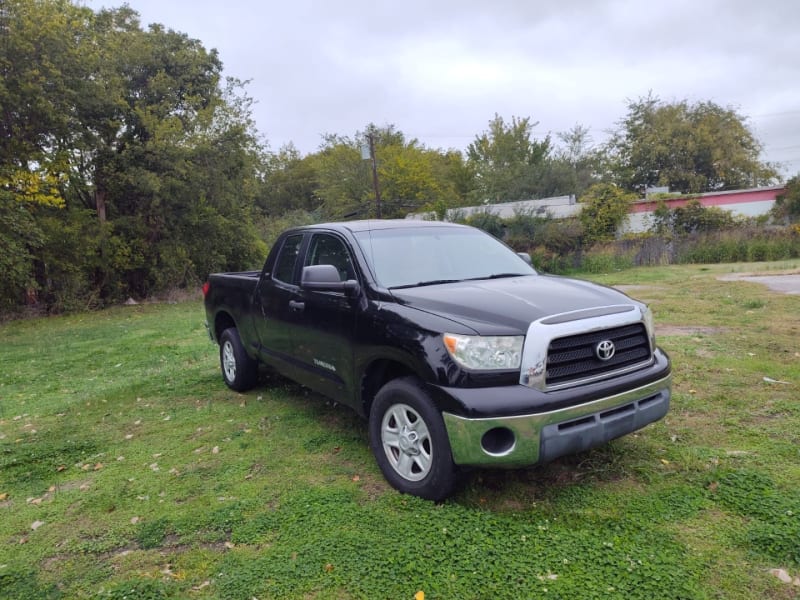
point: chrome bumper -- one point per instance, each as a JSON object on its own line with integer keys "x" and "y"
{"x": 525, "y": 440}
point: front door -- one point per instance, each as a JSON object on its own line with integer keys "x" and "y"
{"x": 325, "y": 337}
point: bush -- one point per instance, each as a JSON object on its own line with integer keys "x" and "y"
{"x": 490, "y": 222}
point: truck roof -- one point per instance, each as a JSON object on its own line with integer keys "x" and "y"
{"x": 373, "y": 224}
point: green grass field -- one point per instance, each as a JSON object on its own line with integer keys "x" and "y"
{"x": 128, "y": 470}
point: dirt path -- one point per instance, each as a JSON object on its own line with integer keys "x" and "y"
{"x": 788, "y": 283}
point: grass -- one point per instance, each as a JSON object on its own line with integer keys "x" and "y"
{"x": 127, "y": 469}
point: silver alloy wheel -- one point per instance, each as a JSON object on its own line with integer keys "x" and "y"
{"x": 407, "y": 442}
{"x": 228, "y": 361}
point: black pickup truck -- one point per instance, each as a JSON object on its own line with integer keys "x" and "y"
{"x": 452, "y": 346}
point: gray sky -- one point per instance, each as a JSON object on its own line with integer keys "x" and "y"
{"x": 440, "y": 69}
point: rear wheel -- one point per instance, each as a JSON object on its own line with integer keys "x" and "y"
{"x": 409, "y": 440}
{"x": 239, "y": 371}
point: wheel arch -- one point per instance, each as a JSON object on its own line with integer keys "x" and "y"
{"x": 222, "y": 321}
{"x": 376, "y": 375}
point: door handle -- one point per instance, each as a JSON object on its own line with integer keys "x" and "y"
{"x": 296, "y": 305}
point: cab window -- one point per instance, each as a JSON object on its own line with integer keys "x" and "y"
{"x": 326, "y": 249}
{"x": 284, "y": 264}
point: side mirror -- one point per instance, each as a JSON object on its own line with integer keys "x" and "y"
{"x": 526, "y": 257}
{"x": 325, "y": 278}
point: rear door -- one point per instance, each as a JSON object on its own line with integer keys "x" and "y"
{"x": 278, "y": 299}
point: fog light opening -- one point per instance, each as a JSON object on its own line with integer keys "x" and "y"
{"x": 498, "y": 441}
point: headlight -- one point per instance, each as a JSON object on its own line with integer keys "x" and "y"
{"x": 485, "y": 352}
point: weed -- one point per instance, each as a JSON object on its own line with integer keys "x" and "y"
{"x": 127, "y": 469}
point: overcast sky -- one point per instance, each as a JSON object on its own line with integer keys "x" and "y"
{"x": 440, "y": 69}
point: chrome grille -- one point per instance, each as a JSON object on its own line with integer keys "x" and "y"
{"x": 573, "y": 358}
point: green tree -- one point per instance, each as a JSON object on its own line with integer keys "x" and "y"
{"x": 411, "y": 177}
{"x": 44, "y": 72}
{"x": 787, "y": 205}
{"x": 507, "y": 161}
{"x": 290, "y": 183}
{"x": 691, "y": 148}
{"x": 605, "y": 208}
{"x": 133, "y": 127}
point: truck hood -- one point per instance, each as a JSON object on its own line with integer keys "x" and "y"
{"x": 508, "y": 306}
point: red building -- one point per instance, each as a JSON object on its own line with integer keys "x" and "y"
{"x": 748, "y": 203}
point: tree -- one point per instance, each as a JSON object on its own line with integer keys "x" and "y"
{"x": 43, "y": 70}
{"x": 507, "y": 161}
{"x": 570, "y": 168}
{"x": 605, "y": 208}
{"x": 290, "y": 183}
{"x": 411, "y": 176}
{"x": 787, "y": 205}
{"x": 690, "y": 148}
{"x": 135, "y": 128}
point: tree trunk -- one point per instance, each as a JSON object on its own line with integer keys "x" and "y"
{"x": 100, "y": 203}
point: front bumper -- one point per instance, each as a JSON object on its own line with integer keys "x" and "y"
{"x": 524, "y": 440}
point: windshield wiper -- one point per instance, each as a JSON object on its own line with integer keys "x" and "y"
{"x": 424, "y": 283}
{"x": 498, "y": 276}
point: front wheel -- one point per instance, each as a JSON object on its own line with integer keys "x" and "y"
{"x": 239, "y": 371}
{"x": 409, "y": 440}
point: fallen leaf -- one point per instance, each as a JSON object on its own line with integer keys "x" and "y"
{"x": 712, "y": 487}
{"x": 328, "y": 568}
{"x": 134, "y": 520}
{"x": 98, "y": 466}
{"x": 84, "y": 487}
{"x": 771, "y": 380}
{"x": 420, "y": 595}
{"x": 60, "y": 468}
{"x": 664, "y": 461}
{"x": 229, "y": 545}
{"x": 52, "y": 488}
{"x": 3, "y": 496}
{"x": 129, "y": 436}
{"x": 86, "y": 467}
{"x": 200, "y": 586}
{"x": 23, "y": 540}
{"x": 154, "y": 467}
{"x": 36, "y": 524}
{"x": 356, "y": 478}
{"x": 35, "y": 501}
{"x": 215, "y": 450}
{"x": 782, "y": 575}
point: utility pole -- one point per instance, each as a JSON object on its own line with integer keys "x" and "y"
{"x": 371, "y": 139}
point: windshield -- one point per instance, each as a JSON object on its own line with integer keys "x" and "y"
{"x": 431, "y": 255}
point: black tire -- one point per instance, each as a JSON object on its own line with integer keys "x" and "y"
{"x": 239, "y": 371}
{"x": 409, "y": 440}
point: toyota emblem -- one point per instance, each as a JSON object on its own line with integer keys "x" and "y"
{"x": 605, "y": 350}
